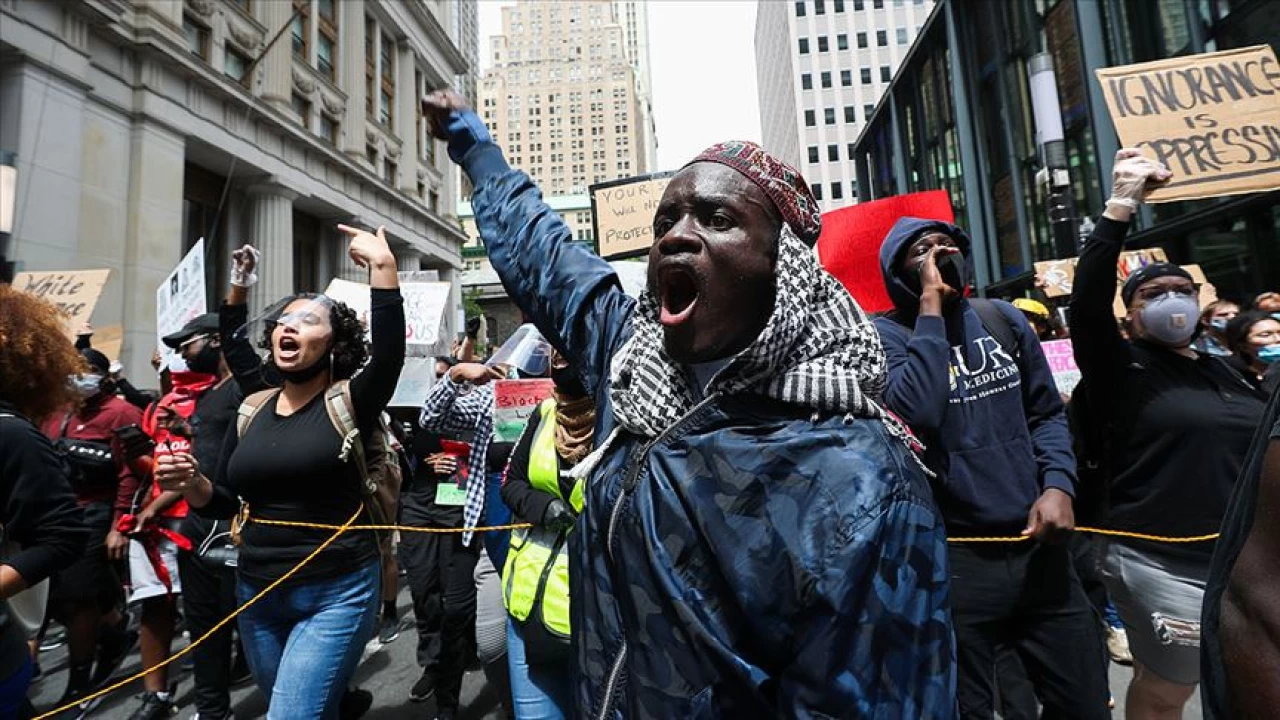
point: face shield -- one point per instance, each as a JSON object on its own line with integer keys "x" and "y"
{"x": 526, "y": 351}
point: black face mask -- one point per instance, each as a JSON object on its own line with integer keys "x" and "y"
{"x": 954, "y": 271}
{"x": 308, "y": 373}
{"x": 206, "y": 361}
{"x": 568, "y": 383}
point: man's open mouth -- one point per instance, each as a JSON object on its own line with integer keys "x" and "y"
{"x": 678, "y": 292}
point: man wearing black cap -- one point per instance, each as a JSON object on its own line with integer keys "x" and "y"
{"x": 85, "y": 596}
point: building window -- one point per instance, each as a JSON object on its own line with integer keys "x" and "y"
{"x": 816, "y": 189}
{"x": 234, "y": 64}
{"x": 329, "y": 129}
{"x": 433, "y": 201}
{"x": 838, "y": 6}
{"x": 371, "y": 154}
{"x": 885, "y": 74}
{"x": 819, "y": 7}
{"x": 197, "y": 38}
{"x": 826, "y": 79}
{"x": 389, "y": 171}
{"x": 867, "y": 111}
{"x": 387, "y": 97}
{"x": 301, "y": 108}
{"x": 849, "y": 150}
{"x": 842, "y": 42}
{"x": 327, "y": 41}
{"x": 370, "y": 67}
{"x": 850, "y": 115}
{"x": 902, "y": 36}
{"x": 853, "y": 187}
{"x": 882, "y": 38}
{"x": 806, "y": 81}
{"x": 846, "y": 78}
{"x": 809, "y": 118}
{"x": 813, "y": 154}
{"x": 837, "y": 191}
{"x": 804, "y": 46}
{"x": 800, "y": 9}
{"x": 858, "y": 6}
{"x": 301, "y": 28}
{"x": 823, "y": 45}
{"x": 829, "y": 116}
{"x": 862, "y": 41}
{"x": 877, "y": 4}
{"x": 833, "y": 153}
{"x": 866, "y": 76}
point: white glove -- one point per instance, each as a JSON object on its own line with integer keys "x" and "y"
{"x": 243, "y": 263}
{"x": 1132, "y": 177}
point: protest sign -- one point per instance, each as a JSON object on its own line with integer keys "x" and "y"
{"x": 180, "y": 298}
{"x": 514, "y": 402}
{"x": 109, "y": 340}
{"x": 355, "y": 296}
{"x": 623, "y": 211}
{"x": 1058, "y": 276}
{"x": 1213, "y": 119}
{"x": 1062, "y": 363}
{"x": 416, "y": 379}
{"x": 424, "y": 303}
{"x": 74, "y": 292}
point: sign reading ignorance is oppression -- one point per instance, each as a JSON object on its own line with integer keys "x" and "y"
{"x": 1213, "y": 119}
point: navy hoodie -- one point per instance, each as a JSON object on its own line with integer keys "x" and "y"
{"x": 994, "y": 426}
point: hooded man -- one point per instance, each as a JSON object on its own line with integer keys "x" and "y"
{"x": 757, "y": 536}
{"x": 969, "y": 377}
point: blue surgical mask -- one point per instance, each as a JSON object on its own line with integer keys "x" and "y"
{"x": 1269, "y": 354}
{"x": 1219, "y": 324}
{"x": 88, "y": 385}
{"x": 1170, "y": 319}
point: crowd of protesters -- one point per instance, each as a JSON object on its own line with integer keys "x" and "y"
{"x": 743, "y": 497}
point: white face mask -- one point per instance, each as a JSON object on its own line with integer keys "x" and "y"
{"x": 86, "y": 385}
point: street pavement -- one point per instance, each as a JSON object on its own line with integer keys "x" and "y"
{"x": 387, "y": 671}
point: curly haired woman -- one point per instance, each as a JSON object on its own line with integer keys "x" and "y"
{"x": 38, "y": 511}
{"x": 304, "y": 639}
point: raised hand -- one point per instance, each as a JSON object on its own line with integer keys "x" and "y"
{"x": 1132, "y": 177}
{"x": 244, "y": 263}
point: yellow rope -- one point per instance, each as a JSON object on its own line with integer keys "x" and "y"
{"x": 384, "y": 528}
{"x": 337, "y": 531}
{"x": 1094, "y": 531}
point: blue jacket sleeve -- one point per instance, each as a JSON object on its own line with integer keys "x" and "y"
{"x": 1046, "y": 413}
{"x": 573, "y": 296}
{"x": 919, "y": 384}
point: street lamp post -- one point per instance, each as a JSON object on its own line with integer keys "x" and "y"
{"x": 1053, "y": 153}
{"x": 8, "y": 198}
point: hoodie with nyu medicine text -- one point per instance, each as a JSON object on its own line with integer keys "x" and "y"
{"x": 994, "y": 426}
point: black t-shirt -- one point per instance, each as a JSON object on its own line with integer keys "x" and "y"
{"x": 1236, "y": 525}
{"x": 288, "y": 468}
{"x": 418, "y": 507}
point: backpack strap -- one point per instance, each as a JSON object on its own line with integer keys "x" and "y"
{"x": 337, "y": 401}
{"x": 998, "y": 325}
{"x": 249, "y": 408}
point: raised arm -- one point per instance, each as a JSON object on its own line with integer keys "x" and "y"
{"x": 373, "y": 386}
{"x": 573, "y": 296}
{"x": 233, "y": 315}
{"x": 459, "y": 402}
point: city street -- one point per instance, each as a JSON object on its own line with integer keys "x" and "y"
{"x": 388, "y": 672}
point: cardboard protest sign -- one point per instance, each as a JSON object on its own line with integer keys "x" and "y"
{"x": 74, "y": 292}
{"x": 180, "y": 298}
{"x": 1213, "y": 119}
{"x": 416, "y": 378}
{"x": 1058, "y": 276}
{"x": 514, "y": 402}
{"x": 623, "y": 211}
{"x": 424, "y": 304}
{"x": 109, "y": 340}
{"x": 1208, "y": 293}
{"x": 1062, "y": 363}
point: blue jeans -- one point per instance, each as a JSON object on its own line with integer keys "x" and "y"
{"x": 538, "y": 692}
{"x": 304, "y": 641}
{"x": 13, "y": 689}
{"x": 496, "y": 512}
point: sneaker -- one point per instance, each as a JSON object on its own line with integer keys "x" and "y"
{"x": 355, "y": 703}
{"x": 423, "y": 689}
{"x": 54, "y": 638}
{"x": 388, "y": 631}
{"x": 155, "y": 707}
{"x": 1118, "y": 646}
{"x": 114, "y": 645}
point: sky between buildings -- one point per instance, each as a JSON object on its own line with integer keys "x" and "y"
{"x": 702, "y": 58}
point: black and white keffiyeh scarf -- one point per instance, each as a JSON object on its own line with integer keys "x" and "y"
{"x": 818, "y": 351}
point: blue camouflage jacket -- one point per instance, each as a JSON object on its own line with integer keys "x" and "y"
{"x": 754, "y": 560}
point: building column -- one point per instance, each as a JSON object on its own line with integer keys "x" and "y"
{"x": 408, "y": 259}
{"x": 407, "y": 118}
{"x": 277, "y": 66}
{"x": 351, "y": 53}
{"x": 271, "y": 231}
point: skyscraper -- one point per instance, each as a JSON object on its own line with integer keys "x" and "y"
{"x": 821, "y": 67}
{"x": 566, "y": 94}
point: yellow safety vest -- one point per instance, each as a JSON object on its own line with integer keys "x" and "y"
{"x": 536, "y": 575}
